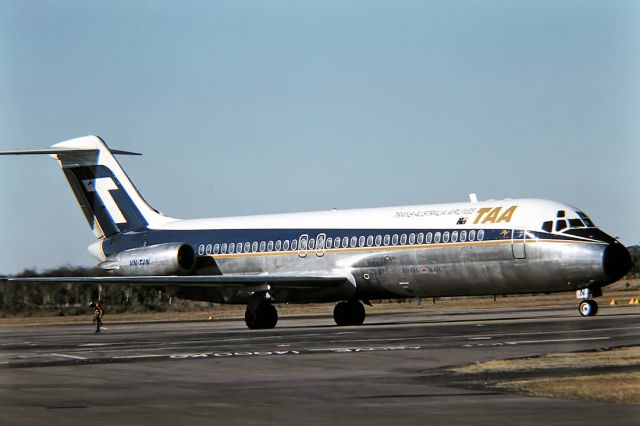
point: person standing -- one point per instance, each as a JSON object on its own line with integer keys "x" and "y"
{"x": 98, "y": 313}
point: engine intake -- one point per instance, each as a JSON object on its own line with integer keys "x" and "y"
{"x": 160, "y": 259}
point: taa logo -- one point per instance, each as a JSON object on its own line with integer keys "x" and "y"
{"x": 494, "y": 215}
{"x": 103, "y": 186}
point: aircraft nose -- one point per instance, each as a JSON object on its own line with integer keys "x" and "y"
{"x": 616, "y": 261}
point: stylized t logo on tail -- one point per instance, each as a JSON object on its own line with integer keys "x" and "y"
{"x": 102, "y": 186}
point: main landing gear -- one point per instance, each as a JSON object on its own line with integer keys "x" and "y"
{"x": 260, "y": 314}
{"x": 588, "y": 308}
{"x": 349, "y": 312}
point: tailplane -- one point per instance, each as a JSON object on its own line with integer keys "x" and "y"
{"x": 108, "y": 198}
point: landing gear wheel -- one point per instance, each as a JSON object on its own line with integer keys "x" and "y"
{"x": 263, "y": 316}
{"x": 588, "y": 308}
{"x": 349, "y": 312}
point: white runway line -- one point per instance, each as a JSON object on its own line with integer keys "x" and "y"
{"x": 526, "y": 342}
{"x": 68, "y": 356}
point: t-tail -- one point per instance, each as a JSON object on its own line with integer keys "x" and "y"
{"x": 108, "y": 198}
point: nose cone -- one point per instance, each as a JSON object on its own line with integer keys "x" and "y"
{"x": 616, "y": 261}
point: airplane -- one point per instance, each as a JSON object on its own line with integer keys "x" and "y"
{"x": 494, "y": 247}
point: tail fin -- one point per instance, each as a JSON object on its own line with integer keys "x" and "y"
{"x": 109, "y": 200}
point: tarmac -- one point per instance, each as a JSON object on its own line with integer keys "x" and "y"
{"x": 392, "y": 370}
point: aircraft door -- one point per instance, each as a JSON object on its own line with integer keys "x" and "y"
{"x": 518, "y": 238}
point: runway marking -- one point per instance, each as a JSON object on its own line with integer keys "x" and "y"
{"x": 480, "y": 338}
{"x": 526, "y": 342}
{"x": 138, "y": 356}
{"x": 96, "y": 344}
{"x": 69, "y": 356}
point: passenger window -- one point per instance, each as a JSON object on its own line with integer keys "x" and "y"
{"x": 294, "y": 244}
{"x": 547, "y": 226}
{"x": 223, "y": 249}
{"x": 420, "y": 238}
{"x": 345, "y": 242}
{"x": 412, "y": 238}
{"x": 329, "y": 242}
{"x": 361, "y": 241}
{"x": 481, "y": 235}
{"x": 394, "y": 240}
{"x": 278, "y": 245}
{"x": 472, "y": 235}
{"x": 436, "y": 239}
{"x": 239, "y": 247}
{"x": 403, "y": 239}
{"x": 209, "y": 248}
{"x": 247, "y": 247}
{"x": 232, "y": 247}
{"x": 270, "y": 246}
{"x": 263, "y": 245}
{"x": 320, "y": 242}
{"x": 463, "y": 236}
{"x": 303, "y": 244}
{"x": 254, "y": 246}
{"x": 312, "y": 244}
{"x": 369, "y": 240}
{"x": 454, "y": 236}
{"x": 429, "y": 238}
{"x": 354, "y": 241}
{"x": 560, "y": 225}
{"x": 387, "y": 240}
{"x": 201, "y": 249}
{"x": 285, "y": 245}
{"x": 378, "y": 240}
{"x": 336, "y": 242}
{"x": 445, "y": 237}
{"x": 216, "y": 248}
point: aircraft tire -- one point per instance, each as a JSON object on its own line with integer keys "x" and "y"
{"x": 588, "y": 308}
{"x": 264, "y": 316}
{"x": 349, "y": 312}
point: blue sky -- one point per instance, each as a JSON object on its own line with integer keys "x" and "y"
{"x": 279, "y": 106}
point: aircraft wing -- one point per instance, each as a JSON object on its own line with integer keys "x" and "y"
{"x": 248, "y": 281}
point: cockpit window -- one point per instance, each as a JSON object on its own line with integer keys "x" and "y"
{"x": 560, "y": 225}
{"x": 576, "y": 223}
{"x": 561, "y": 213}
{"x": 586, "y": 220}
{"x": 547, "y": 226}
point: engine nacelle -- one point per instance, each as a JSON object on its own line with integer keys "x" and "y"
{"x": 160, "y": 259}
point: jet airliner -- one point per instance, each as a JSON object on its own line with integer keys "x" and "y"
{"x": 345, "y": 256}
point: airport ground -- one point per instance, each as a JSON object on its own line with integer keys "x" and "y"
{"x": 443, "y": 365}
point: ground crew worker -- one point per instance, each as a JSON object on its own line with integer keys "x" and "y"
{"x": 98, "y": 313}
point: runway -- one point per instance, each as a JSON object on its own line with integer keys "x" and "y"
{"x": 394, "y": 369}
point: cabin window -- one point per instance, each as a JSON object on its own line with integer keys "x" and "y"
{"x": 270, "y": 246}
{"x": 378, "y": 240}
{"x": 472, "y": 235}
{"x": 201, "y": 249}
{"x": 369, "y": 240}
{"x": 547, "y": 226}
{"x": 303, "y": 244}
{"x": 387, "y": 239}
{"x": 361, "y": 241}
{"x": 394, "y": 240}
{"x": 560, "y": 225}
{"x": 436, "y": 238}
{"x": 561, "y": 213}
{"x": 463, "y": 236}
{"x": 329, "y": 242}
{"x": 263, "y": 245}
{"x": 420, "y": 238}
{"x": 209, "y": 248}
{"x": 345, "y": 242}
{"x": 481, "y": 235}
{"x": 429, "y": 237}
{"x": 232, "y": 247}
{"x": 216, "y": 248}
{"x": 586, "y": 220}
{"x": 278, "y": 245}
{"x": 336, "y": 242}
{"x": 223, "y": 248}
{"x": 254, "y": 246}
{"x": 454, "y": 236}
{"x": 445, "y": 237}
{"x": 354, "y": 241}
{"x": 294, "y": 244}
{"x": 412, "y": 238}
{"x": 239, "y": 247}
{"x": 403, "y": 239}
{"x": 312, "y": 244}
{"x": 247, "y": 247}
{"x": 285, "y": 245}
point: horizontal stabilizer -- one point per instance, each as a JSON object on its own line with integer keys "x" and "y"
{"x": 55, "y": 151}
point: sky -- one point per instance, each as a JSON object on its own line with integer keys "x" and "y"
{"x": 251, "y": 107}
